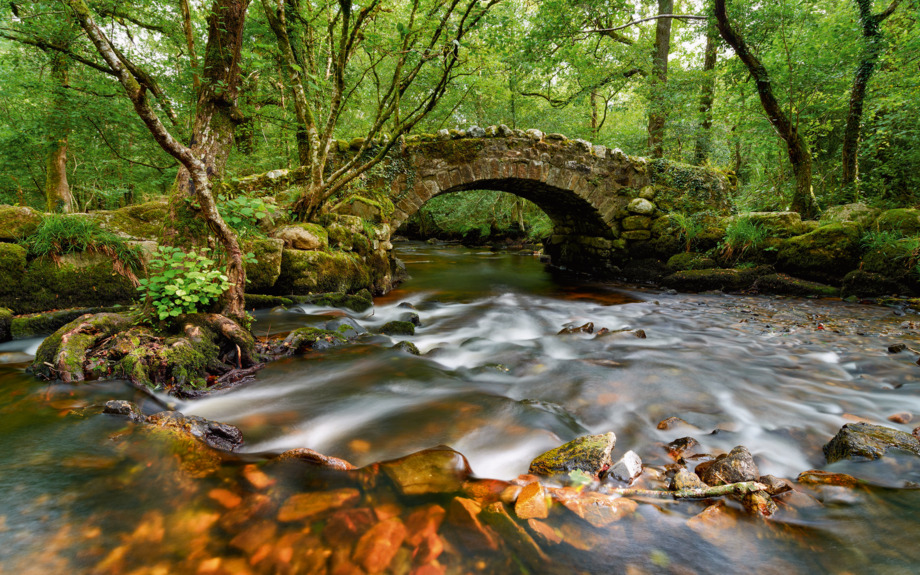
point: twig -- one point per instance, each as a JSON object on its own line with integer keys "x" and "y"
{"x": 729, "y": 489}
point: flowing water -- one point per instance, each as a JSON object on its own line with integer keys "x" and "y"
{"x": 498, "y": 383}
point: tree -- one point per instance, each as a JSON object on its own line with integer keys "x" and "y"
{"x": 873, "y": 48}
{"x": 658, "y": 113}
{"x": 58, "y": 197}
{"x": 332, "y": 53}
{"x": 707, "y": 95}
{"x": 803, "y": 199}
{"x": 196, "y": 166}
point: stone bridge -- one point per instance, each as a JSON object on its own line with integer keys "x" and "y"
{"x": 606, "y": 207}
{"x": 603, "y": 203}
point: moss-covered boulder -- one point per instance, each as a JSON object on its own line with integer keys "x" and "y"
{"x": 867, "y": 441}
{"x": 588, "y": 453}
{"x": 63, "y": 354}
{"x": 259, "y": 301}
{"x": 690, "y": 189}
{"x": 311, "y": 338}
{"x": 17, "y": 222}
{"x": 858, "y": 213}
{"x": 732, "y": 279}
{"x": 902, "y": 220}
{"x": 397, "y": 328}
{"x": 79, "y": 280}
{"x": 407, "y": 347}
{"x": 359, "y": 302}
{"x": 783, "y": 284}
{"x": 826, "y": 254}
{"x": 893, "y": 260}
{"x": 303, "y": 236}
{"x": 6, "y": 324}
{"x": 264, "y": 272}
{"x": 140, "y": 221}
{"x": 733, "y": 467}
{"x": 691, "y": 261}
{"x": 309, "y": 272}
{"x": 38, "y": 324}
{"x": 862, "y": 283}
{"x": 12, "y": 270}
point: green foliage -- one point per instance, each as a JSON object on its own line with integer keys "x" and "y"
{"x": 181, "y": 282}
{"x": 879, "y": 239}
{"x": 244, "y": 213}
{"x": 59, "y": 234}
{"x": 742, "y": 235}
{"x": 689, "y": 228}
{"x": 480, "y": 214}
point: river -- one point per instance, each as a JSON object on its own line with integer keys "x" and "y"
{"x": 499, "y": 384}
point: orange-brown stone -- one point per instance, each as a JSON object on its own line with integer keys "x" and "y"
{"x": 376, "y": 548}
{"x": 305, "y": 505}
{"x": 531, "y": 502}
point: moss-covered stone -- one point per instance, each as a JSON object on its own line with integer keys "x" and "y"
{"x": 690, "y": 189}
{"x": 826, "y": 254}
{"x": 6, "y": 324}
{"x": 407, "y": 347}
{"x": 262, "y": 275}
{"x": 690, "y": 261}
{"x": 141, "y": 221}
{"x": 63, "y": 353}
{"x": 904, "y": 221}
{"x": 358, "y": 302}
{"x": 12, "y": 270}
{"x": 303, "y": 236}
{"x": 81, "y": 280}
{"x": 17, "y": 222}
{"x": 715, "y": 279}
{"x": 867, "y": 441}
{"x": 309, "y": 272}
{"x": 862, "y": 283}
{"x": 307, "y": 338}
{"x": 259, "y": 301}
{"x": 858, "y": 213}
{"x": 893, "y": 260}
{"x": 397, "y": 328}
{"x": 787, "y": 285}
{"x": 589, "y": 453}
{"x": 38, "y": 324}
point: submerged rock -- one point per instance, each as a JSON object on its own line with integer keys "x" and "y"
{"x": 125, "y": 409}
{"x": 787, "y": 285}
{"x": 736, "y": 466}
{"x": 437, "y": 470}
{"x": 407, "y": 347}
{"x": 589, "y": 453}
{"x": 213, "y": 433}
{"x": 315, "y": 458}
{"x": 397, "y": 328}
{"x": 864, "y": 440}
{"x": 684, "y": 480}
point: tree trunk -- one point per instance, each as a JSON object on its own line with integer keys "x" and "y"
{"x": 707, "y": 95}
{"x": 58, "y": 197}
{"x": 658, "y": 107}
{"x": 872, "y": 36}
{"x": 803, "y": 199}
{"x": 190, "y": 41}
{"x": 594, "y": 115}
{"x": 216, "y": 115}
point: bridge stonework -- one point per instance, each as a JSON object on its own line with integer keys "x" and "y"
{"x": 606, "y": 207}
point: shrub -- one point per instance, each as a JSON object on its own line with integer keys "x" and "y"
{"x": 58, "y": 235}
{"x": 688, "y": 228}
{"x": 243, "y": 213}
{"x": 181, "y": 282}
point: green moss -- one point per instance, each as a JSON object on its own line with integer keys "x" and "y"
{"x": 73, "y": 349}
{"x": 788, "y": 285}
{"x": 407, "y": 347}
{"x": 17, "y": 222}
{"x": 6, "y": 324}
{"x": 81, "y": 280}
{"x": 309, "y": 272}
{"x": 456, "y": 151}
{"x": 37, "y": 324}
{"x": 689, "y": 189}
{"x": 262, "y": 275}
{"x": 143, "y": 221}
{"x": 305, "y": 338}
{"x": 825, "y": 255}
{"x": 862, "y": 283}
{"x": 12, "y": 270}
{"x": 358, "y": 302}
{"x": 258, "y": 301}
{"x": 859, "y": 213}
{"x": 715, "y": 279}
{"x": 904, "y": 221}
{"x": 691, "y": 261}
{"x": 397, "y": 328}
{"x": 589, "y": 454}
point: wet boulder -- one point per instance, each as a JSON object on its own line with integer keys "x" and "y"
{"x": 437, "y": 470}
{"x": 715, "y": 279}
{"x": 684, "y": 480}
{"x": 124, "y": 408}
{"x": 734, "y": 467}
{"x": 867, "y": 441}
{"x": 359, "y": 301}
{"x": 905, "y": 221}
{"x": 397, "y": 328}
{"x": 312, "y": 457}
{"x": 783, "y": 284}
{"x": 265, "y": 267}
{"x": 407, "y": 347}
{"x": 627, "y": 468}
{"x": 589, "y": 453}
{"x": 346, "y": 327}
{"x": 212, "y": 433}
{"x": 306, "y": 338}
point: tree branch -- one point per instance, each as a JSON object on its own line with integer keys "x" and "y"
{"x": 658, "y": 17}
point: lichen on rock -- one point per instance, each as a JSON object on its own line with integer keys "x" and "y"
{"x": 588, "y": 453}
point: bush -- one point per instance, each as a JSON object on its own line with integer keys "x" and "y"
{"x": 243, "y": 213}
{"x": 741, "y": 235}
{"x": 688, "y": 228}
{"x": 181, "y": 283}
{"x": 58, "y": 235}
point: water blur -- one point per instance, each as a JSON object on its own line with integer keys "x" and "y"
{"x": 497, "y": 382}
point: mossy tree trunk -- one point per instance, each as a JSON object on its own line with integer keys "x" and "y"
{"x": 58, "y": 196}
{"x": 658, "y": 113}
{"x": 707, "y": 96}
{"x": 196, "y": 167}
{"x": 803, "y": 199}
{"x": 872, "y": 50}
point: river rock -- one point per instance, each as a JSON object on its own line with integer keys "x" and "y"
{"x": 628, "y": 468}
{"x": 600, "y": 510}
{"x": 438, "y": 470}
{"x": 397, "y": 328}
{"x": 684, "y": 480}
{"x": 377, "y": 548}
{"x": 736, "y": 466}
{"x": 124, "y": 408}
{"x": 759, "y": 503}
{"x": 315, "y": 458}
{"x": 407, "y": 347}
{"x": 464, "y": 513}
{"x": 213, "y": 433}
{"x": 516, "y": 536}
{"x": 589, "y": 453}
{"x": 864, "y": 440}
{"x": 346, "y": 327}
{"x": 302, "y": 506}
{"x": 820, "y": 477}
{"x": 683, "y": 446}
{"x": 531, "y": 502}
